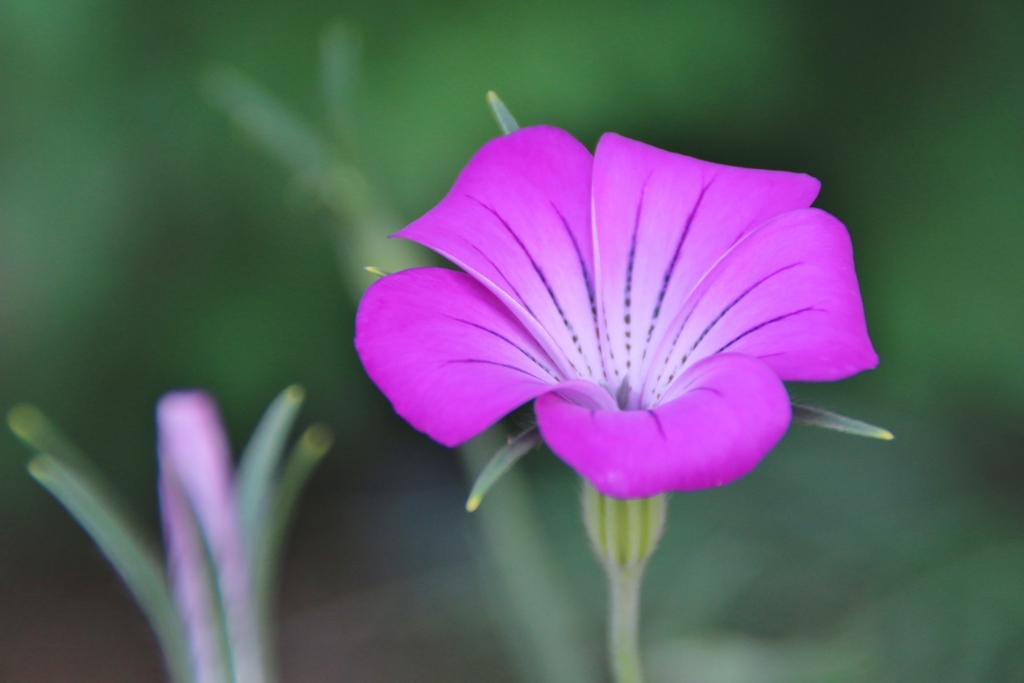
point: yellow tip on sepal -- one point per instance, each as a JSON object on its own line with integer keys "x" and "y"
{"x": 502, "y": 115}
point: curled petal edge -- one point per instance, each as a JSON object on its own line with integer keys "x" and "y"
{"x": 733, "y": 411}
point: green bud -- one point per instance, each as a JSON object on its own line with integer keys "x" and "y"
{"x": 623, "y": 533}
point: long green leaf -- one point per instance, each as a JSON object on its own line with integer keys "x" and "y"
{"x": 125, "y": 547}
{"x": 268, "y": 121}
{"x": 261, "y": 460}
{"x": 303, "y": 459}
{"x": 36, "y": 431}
{"x": 502, "y": 462}
{"x": 502, "y": 115}
{"x": 339, "y": 68}
{"x": 836, "y": 422}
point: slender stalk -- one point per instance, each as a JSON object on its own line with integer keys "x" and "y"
{"x": 624, "y": 626}
{"x": 623, "y": 534}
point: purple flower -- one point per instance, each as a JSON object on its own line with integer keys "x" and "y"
{"x": 652, "y": 303}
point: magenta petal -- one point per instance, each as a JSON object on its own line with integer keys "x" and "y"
{"x": 733, "y": 410}
{"x": 786, "y": 294}
{"x": 195, "y": 459}
{"x": 662, "y": 220}
{"x": 447, "y": 352}
{"x": 518, "y": 219}
{"x": 194, "y": 449}
{"x": 586, "y": 394}
{"x": 194, "y": 596}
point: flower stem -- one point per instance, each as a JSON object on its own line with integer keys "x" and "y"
{"x": 624, "y": 625}
{"x": 623, "y": 534}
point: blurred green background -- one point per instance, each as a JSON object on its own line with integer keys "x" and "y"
{"x": 148, "y": 241}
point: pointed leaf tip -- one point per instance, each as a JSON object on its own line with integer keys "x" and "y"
{"x": 37, "y": 467}
{"x": 502, "y": 462}
{"x": 502, "y": 115}
{"x": 828, "y": 420}
{"x": 36, "y": 431}
{"x": 295, "y": 393}
{"x": 86, "y": 497}
{"x": 317, "y": 440}
{"x": 26, "y": 421}
{"x": 260, "y": 461}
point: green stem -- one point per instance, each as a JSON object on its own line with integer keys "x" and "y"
{"x": 624, "y": 625}
{"x": 623, "y": 534}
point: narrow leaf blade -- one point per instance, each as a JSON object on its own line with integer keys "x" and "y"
{"x": 312, "y": 446}
{"x": 339, "y": 69}
{"x": 840, "y": 423}
{"x": 124, "y": 546}
{"x": 502, "y": 115}
{"x": 502, "y": 462}
{"x": 261, "y": 460}
{"x": 36, "y": 431}
{"x": 269, "y": 122}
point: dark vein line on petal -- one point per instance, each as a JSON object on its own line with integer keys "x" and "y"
{"x": 657, "y": 421}
{"x": 682, "y": 327}
{"x": 544, "y": 281}
{"x": 608, "y": 339}
{"x": 503, "y": 277}
{"x": 682, "y": 361}
{"x": 768, "y": 322}
{"x": 509, "y": 341}
{"x": 502, "y": 365}
{"x": 687, "y": 390}
{"x": 628, "y": 318}
{"x": 738, "y": 299}
{"x": 579, "y": 255}
{"x": 672, "y": 346}
{"x": 672, "y": 265}
{"x": 591, "y": 296}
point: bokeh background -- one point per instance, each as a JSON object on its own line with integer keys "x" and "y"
{"x": 186, "y": 189}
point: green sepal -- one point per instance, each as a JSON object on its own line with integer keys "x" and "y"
{"x": 623, "y": 533}
{"x": 840, "y": 423}
{"x": 502, "y": 115}
{"x": 502, "y": 462}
